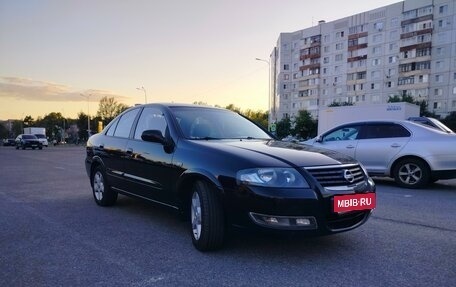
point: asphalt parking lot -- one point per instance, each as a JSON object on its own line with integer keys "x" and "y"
{"x": 53, "y": 234}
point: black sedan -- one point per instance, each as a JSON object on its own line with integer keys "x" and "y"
{"x": 217, "y": 168}
{"x": 28, "y": 141}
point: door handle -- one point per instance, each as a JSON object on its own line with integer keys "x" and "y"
{"x": 101, "y": 146}
{"x": 130, "y": 151}
{"x": 350, "y": 146}
{"x": 395, "y": 145}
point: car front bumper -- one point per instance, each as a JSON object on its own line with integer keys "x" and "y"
{"x": 299, "y": 210}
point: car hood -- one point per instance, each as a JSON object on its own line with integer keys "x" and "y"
{"x": 291, "y": 153}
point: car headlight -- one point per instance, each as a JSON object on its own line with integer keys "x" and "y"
{"x": 272, "y": 177}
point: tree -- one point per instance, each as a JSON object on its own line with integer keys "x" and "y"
{"x": 283, "y": 127}
{"x": 233, "y": 108}
{"x": 304, "y": 125}
{"x": 3, "y": 132}
{"x": 402, "y": 98}
{"x": 450, "y": 121}
{"x": 259, "y": 117}
{"x": 53, "y": 123}
{"x": 29, "y": 121}
{"x": 109, "y": 108}
{"x": 343, "y": 104}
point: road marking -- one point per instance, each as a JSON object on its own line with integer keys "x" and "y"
{"x": 59, "y": 167}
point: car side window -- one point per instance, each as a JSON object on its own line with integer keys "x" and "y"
{"x": 125, "y": 123}
{"x": 342, "y": 134}
{"x": 386, "y": 130}
{"x": 151, "y": 119}
{"x": 112, "y": 128}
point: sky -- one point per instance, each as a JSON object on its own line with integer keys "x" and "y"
{"x": 64, "y": 56}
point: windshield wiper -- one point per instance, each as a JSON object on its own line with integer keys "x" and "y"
{"x": 205, "y": 138}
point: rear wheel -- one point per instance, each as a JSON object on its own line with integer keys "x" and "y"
{"x": 102, "y": 192}
{"x": 207, "y": 220}
{"x": 412, "y": 173}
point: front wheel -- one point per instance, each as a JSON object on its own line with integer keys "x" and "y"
{"x": 207, "y": 219}
{"x": 102, "y": 192}
{"x": 411, "y": 173}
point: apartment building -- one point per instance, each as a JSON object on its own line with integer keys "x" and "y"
{"x": 407, "y": 48}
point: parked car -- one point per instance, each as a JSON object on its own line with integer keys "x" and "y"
{"x": 431, "y": 122}
{"x": 411, "y": 153}
{"x": 216, "y": 167}
{"x": 42, "y": 139}
{"x": 24, "y": 141}
{"x": 9, "y": 142}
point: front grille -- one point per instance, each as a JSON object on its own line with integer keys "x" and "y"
{"x": 339, "y": 175}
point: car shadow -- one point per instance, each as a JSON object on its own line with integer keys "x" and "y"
{"x": 238, "y": 240}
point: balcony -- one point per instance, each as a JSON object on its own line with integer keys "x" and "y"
{"x": 416, "y": 33}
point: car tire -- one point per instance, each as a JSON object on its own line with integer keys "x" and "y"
{"x": 207, "y": 224}
{"x": 40, "y": 148}
{"x": 412, "y": 173}
{"x": 23, "y": 147}
{"x": 17, "y": 147}
{"x": 102, "y": 192}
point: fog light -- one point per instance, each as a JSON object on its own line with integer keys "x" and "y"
{"x": 271, "y": 220}
{"x": 302, "y": 221}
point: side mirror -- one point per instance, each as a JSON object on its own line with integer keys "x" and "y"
{"x": 319, "y": 139}
{"x": 154, "y": 136}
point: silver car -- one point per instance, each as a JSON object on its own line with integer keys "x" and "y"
{"x": 413, "y": 154}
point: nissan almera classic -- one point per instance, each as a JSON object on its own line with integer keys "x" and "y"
{"x": 217, "y": 168}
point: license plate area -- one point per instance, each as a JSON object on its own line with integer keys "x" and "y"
{"x": 352, "y": 202}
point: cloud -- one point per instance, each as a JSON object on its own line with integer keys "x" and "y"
{"x": 33, "y": 90}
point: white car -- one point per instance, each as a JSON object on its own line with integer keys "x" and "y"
{"x": 411, "y": 153}
{"x": 43, "y": 140}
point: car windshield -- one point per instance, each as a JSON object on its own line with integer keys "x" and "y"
{"x": 28, "y": 137}
{"x": 40, "y": 136}
{"x": 209, "y": 123}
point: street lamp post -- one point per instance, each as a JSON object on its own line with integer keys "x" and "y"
{"x": 88, "y": 113}
{"x": 269, "y": 87}
{"x": 145, "y": 94}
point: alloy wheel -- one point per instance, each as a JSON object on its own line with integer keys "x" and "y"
{"x": 410, "y": 173}
{"x": 98, "y": 185}
{"x": 196, "y": 215}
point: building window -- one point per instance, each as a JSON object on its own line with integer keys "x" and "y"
{"x": 438, "y": 78}
{"x": 339, "y": 34}
{"x": 339, "y": 46}
{"x": 377, "y": 38}
{"x": 286, "y": 67}
{"x": 325, "y": 60}
{"x": 376, "y": 62}
{"x": 437, "y": 92}
{"x": 376, "y": 50}
{"x": 438, "y": 65}
{"x": 378, "y": 26}
{"x": 392, "y": 59}
{"x": 286, "y": 77}
{"x": 326, "y": 49}
{"x": 443, "y": 9}
{"x": 439, "y": 51}
{"x": 394, "y": 22}
{"x": 284, "y": 87}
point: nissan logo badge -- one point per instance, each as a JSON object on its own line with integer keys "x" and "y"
{"x": 348, "y": 175}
